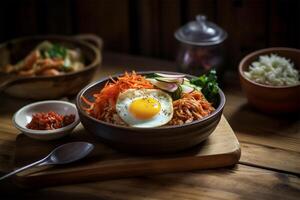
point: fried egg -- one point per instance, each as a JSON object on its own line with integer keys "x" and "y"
{"x": 144, "y": 108}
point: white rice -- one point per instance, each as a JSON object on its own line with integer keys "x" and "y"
{"x": 273, "y": 70}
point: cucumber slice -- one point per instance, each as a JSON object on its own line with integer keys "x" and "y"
{"x": 170, "y": 75}
{"x": 170, "y": 80}
{"x": 188, "y": 83}
{"x": 187, "y": 89}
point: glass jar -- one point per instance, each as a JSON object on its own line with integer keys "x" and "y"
{"x": 201, "y": 46}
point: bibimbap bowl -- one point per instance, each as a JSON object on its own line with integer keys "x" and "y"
{"x": 164, "y": 139}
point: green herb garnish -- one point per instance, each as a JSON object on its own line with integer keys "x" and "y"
{"x": 56, "y": 51}
{"x": 209, "y": 85}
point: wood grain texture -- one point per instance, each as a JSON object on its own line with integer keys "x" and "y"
{"x": 221, "y": 149}
{"x": 270, "y": 158}
{"x": 280, "y": 131}
{"x": 241, "y": 182}
{"x": 91, "y": 14}
{"x": 196, "y": 7}
{"x": 146, "y": 27}
{"x": 55, "y": 17}
{"x": 170, "y": 22}
{"x": 246, "y": 30}
{"x": 267, "y": 141}
{"x": 281, "y": 33}
{"x": 24, "y": 21}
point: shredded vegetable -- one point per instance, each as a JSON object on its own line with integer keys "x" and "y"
{"x": 107, "y": 97}
{"x": 190, "y": 107}
{"x": 273, "y": 70}
{"x": 47, "y": 59}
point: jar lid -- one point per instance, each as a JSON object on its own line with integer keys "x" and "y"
{"x": 201, "y": 32}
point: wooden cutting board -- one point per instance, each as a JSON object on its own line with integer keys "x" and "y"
{"x": 220, "y": 149}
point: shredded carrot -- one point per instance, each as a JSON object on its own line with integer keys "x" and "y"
{"x": 190, "y": 107}
{"x": 107, "y": 97}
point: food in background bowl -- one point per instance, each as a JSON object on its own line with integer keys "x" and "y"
{"x": 47, "y": 59}
{"x": 153, "y": 100}
{"x": 47, "y": 86}
{"x": 273, "y": 70}
{"x": 272, "y": 98}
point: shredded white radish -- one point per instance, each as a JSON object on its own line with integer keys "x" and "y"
{"x": 273, "y": 70}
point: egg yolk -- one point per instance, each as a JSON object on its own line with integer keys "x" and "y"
{"x": 144, "y": 108}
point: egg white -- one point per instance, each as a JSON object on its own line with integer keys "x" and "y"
{"x": 162, "y": 117}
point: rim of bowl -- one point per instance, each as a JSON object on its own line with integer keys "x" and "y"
{"x": 27, "y": 130}
{"x": 258, "y": 53}
{"x": 78, "y": 104}
{"x": 70, "y": 39}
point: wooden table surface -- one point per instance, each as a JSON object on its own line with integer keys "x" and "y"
{"x": 269, "y": 167}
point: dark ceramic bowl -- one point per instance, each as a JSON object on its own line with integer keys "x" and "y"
{"x": 266, "y": 98}
{"x": 164, "y": 139}
{"x": 49, "y": 87}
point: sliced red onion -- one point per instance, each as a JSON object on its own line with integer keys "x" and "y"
{"x": 169, "y": 87}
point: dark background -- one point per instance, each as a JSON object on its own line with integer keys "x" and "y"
{"x": 146, "y": 27}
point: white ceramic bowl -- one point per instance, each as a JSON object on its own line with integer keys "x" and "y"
{"x": 23, "y": 116}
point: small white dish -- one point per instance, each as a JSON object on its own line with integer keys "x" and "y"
{"x": 23, "y": 116}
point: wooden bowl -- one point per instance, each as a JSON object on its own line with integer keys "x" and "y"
{"x": 49, "y": 87}
{"x": 271, "y": 99}
{"x": 164, "y": 139}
